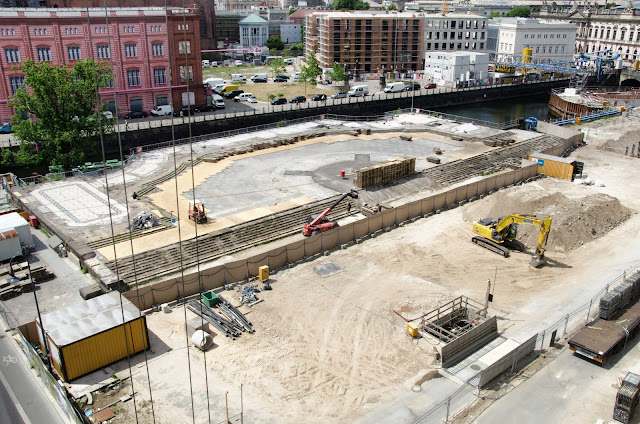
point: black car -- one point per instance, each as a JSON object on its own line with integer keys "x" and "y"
{"x": 206, "y": 108}
{"x": 259, "y": 80}
{"x": 283, "y": 76}
{"x": 185, "y": 111}
{"x": 135, "y": 115}
{"x": 233, "y": 93}
{"x": 298, "y": 99}
{"x": 279, "y": 101}
{"x": 280, "y": 78}
{"x": 412, "y": 86}
{"x": 319, "y": 97}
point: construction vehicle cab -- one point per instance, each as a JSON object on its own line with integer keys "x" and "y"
{"x": 197, "y": 213}
{"x": 319, "y": 222}
{"x": 500, "y": 235}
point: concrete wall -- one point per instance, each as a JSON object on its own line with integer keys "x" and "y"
{"x": 571, "y": 134}
{"x": 312, "y": 247}
{"x": 355, "y": 106}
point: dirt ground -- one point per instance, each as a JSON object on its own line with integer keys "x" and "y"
{"x": 331, "y": 349}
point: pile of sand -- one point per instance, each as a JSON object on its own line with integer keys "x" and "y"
{"x": 576, "y": 221}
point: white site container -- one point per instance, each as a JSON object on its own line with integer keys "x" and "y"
{"x": 9, "y": 244}
{"x": 15, "y": 221}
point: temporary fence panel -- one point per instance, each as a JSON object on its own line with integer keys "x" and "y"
{"x": 375, "y": 224}
{"x": 428, "y": 205}
{"x": 461, "y": 193}
{"x": 509, "y": 360}
{"x": 402, "y": 213}
{"x": 414, "y": 209}
{"x": 313, "y": 245}
{"x": 388, "y": 218}
{"x": 439, "y": 201}
{"x": 330, "y": 239}
{"x": 295, "y": 251}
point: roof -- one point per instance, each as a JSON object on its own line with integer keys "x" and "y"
{"x": 553, "y": 158}
{"x": 12, "y": 220}
{"x": 253, "y": 19}
{"x": 83, "y": 320}
{"x": 299, "y": 14}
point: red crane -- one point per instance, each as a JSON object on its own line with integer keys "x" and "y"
{"x": 319, "y": 223}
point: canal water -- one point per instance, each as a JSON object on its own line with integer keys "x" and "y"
{"x": 504, "y": 110}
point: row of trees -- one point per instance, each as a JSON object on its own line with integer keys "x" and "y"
{"x": 63, "y": 100}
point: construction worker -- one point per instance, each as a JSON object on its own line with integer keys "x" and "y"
{"x": 348, "y": 206}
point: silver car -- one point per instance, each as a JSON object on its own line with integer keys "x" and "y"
{"x": 339, "y": 95}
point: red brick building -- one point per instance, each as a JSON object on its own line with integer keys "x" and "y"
{"x": 144, "y": 45}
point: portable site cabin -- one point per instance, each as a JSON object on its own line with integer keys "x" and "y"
{"x": 14, "y": 221}
{"x": 555, "y": 166}
{"x": 9, "y": 244}
{"x": 90, "y": 335}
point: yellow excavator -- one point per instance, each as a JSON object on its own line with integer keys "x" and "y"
{"x": 499, "y": 235}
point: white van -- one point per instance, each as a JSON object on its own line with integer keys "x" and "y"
{"x": 238, "y": 77}
{"x": 259, "y": 76}
{"x": 243, "y": 97}
{"x": 205, "y": 63}
{"x": 295, "y": 77}
{"x": 218, "y": 87}
{"x": 358, "y": 91}
{"x": 218, "y": 101}
{"x": 163, "y": 110}
{"x": 394, "y": 87}
{"x": 213, "y": 81}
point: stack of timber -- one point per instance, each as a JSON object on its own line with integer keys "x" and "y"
{"x": 385, "y": 172}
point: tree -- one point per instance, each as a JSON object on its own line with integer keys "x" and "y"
{"x": 274, "y": 42}
{"x": 495, "y": 15}
{"x": 350, "y": 5}
{"x": 313, "y": 69}
{"x": 523, "y": 12}
{"x": 338, "y": 73}
{"x": 277, "y": 66}
{"x": 296, "y": 46}
{"x": 292, "y": 10}
{"x": 63, "y": 102}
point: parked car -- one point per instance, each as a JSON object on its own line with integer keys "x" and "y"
{"x": 431, "y": 85}
{"x": 319, "y": 97}
{"x": 107, "y": 114}
{"x": 298, "y": 99}
{"x": 218, "y": 101}
{"x": 135, "y": 115}
{"x": 412, "y": 86}
{"x": 260, "y": 80}
{"x": 238, "y": 63}
{"x": 233, "y": 93}
{"x": 6, "y": 127}
{"x": 185, "y": 111}
{"x": 243, "y": 97}
{"x": 206, "y": 108}
{"x": 286, "y": 77}
{"x": 252, "y": 100}
{"x": 288, "y": 61}
{"x": 279, "y": 101}
{"x": 339, "y": 95}
{"x": 162, "y": 110}
{"x": 280, "y": 78}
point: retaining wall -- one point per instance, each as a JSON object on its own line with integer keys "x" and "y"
{"x": 309, "y": 248}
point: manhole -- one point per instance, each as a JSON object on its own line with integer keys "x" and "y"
{"x": 475, "y": 367}
{"x": 326, "y": 269}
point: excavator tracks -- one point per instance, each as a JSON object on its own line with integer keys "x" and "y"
{"x": 494, "y": 247}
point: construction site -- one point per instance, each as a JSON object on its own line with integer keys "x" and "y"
{"x": 334, "y": 270}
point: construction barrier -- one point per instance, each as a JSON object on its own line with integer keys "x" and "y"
{"x": 145, "y": 297}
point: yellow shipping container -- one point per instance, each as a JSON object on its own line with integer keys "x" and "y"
{"x": 554, "y": 166}
{"x": 88, "y": 336}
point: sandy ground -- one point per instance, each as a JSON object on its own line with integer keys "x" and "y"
{"x": 331, "y": 349}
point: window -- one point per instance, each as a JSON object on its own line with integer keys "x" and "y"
{"x": 481, "y": 46}
{"x": 103, "y": 51}
{"x": 127, "y": 29}
{"x": 156, "y": 28}
{"x": 70, "y": 31}
{"x": 157, "y": 49}
{"x": 13, "y": 55}
{"x": 101, "y": 30}
{"x": 40, "y": 31}
{"x": 7, "y": 31}
{"x": 526, "y": 36}
{"x": 131, "y": 50}
{"x": 44, "y": 54}
{"x": 16, "y": 84}
{"x": 184, "y": 47}
{"x": 159, "y": 76}
{"x": 73, "y": 52}
{"x": 630, "y": 35}
{"x": 133, "y": 77}
{"x": 183, "y": 27}
{"x": 183, "y": 73}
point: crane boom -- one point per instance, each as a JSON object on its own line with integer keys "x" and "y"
{"x": 317, "y": 223}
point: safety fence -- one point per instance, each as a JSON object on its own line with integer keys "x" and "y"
{"x": 309, "y": 248}
{"x": 470, "y": 392}
{"x": 35, "y": 362}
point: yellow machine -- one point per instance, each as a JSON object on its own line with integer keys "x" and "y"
{"x": 500, "y": 235}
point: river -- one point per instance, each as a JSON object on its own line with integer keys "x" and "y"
{"x": 503, "y": 110}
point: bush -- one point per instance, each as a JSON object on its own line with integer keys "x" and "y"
{"x": 282, "y": 123}
{"x": 280, "y": 94}
{"x": 272, "y": 96}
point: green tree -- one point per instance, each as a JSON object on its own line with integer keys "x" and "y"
{"x": 350, "y": 5}
{"x": 312, "y": 70}
{"x": 292, "y": 10}
{"x": 63, "y": 102}
{"x": 495, "y": 15}
{"x": 296, "y": 46}
{"x": 274, "y": 42}
{"x": 277, "y": 66}
{"x": 392, "y": 7}
{"x": 338, "y": 73}
{"x": 523, "y": 12}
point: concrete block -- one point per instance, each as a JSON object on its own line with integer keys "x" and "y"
{"x": 326, "y": 253}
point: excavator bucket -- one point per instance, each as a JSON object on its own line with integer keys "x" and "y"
{"x": 538, "y": 261}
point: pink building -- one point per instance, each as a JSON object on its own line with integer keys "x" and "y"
{"x": 141, "y": 43}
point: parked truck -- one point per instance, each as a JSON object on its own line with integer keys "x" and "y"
{"x": 618, "y": 322}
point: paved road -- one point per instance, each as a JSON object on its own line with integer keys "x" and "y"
{"x": 569, "y": 387}
{"x": 22, "y": 399}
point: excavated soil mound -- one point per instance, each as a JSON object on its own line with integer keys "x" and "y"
{"x": 576, "y": 221}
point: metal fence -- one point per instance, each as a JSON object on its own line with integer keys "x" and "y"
{"x": 469, "y": 392}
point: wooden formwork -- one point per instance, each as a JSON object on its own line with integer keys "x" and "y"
{"x": 384, "y": 172}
